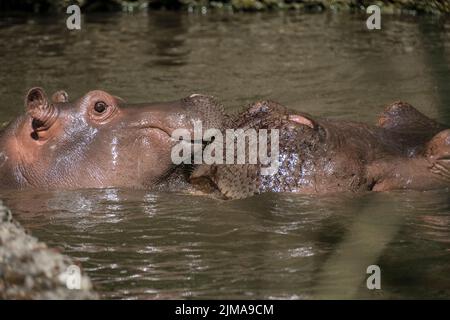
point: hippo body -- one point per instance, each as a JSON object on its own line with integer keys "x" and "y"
{"x": 405, "y": 150}
{"x": 98, "y": 141}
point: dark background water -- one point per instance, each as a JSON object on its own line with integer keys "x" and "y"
{"x": 137, "y": 244}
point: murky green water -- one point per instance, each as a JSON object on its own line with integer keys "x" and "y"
{"x": 137, "y": 244}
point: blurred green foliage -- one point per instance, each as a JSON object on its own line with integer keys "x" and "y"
{"x": 388, "y": 6}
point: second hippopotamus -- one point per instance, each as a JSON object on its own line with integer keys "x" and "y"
{"x": 404, "y": 150}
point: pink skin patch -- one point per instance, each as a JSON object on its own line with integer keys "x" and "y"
{"x": 301, "y": 120}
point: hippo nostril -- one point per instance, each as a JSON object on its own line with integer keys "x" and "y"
{"x": 34, "y": 135}
{"x": 36, "y": 124}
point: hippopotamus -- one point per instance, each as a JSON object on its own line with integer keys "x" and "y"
{"x": 98, "y": 141}
{"x": 403, "y": 150}
{"x": 101, "y": 141}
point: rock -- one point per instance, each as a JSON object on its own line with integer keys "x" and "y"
{"x": 31, "y": 270}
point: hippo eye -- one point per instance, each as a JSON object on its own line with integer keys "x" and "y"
{"x": 100, "y": 107}
{"x": 102, "y": 110}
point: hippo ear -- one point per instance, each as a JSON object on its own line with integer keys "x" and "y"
{"x": 36, "y": 98}
{"x": 304, "y": 119}
{"x": 60, "y": 96}
{"x": 402, "y": 116}
{"x": 43, "y": 113}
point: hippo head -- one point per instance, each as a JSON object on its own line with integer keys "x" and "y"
{"x": 96, "y": 141}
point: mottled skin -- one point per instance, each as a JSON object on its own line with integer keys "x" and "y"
{"x": 97, "y": 141}
{"x": 405, "y": 150}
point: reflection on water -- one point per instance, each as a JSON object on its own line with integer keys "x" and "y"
{"x": 137, "y": 244}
